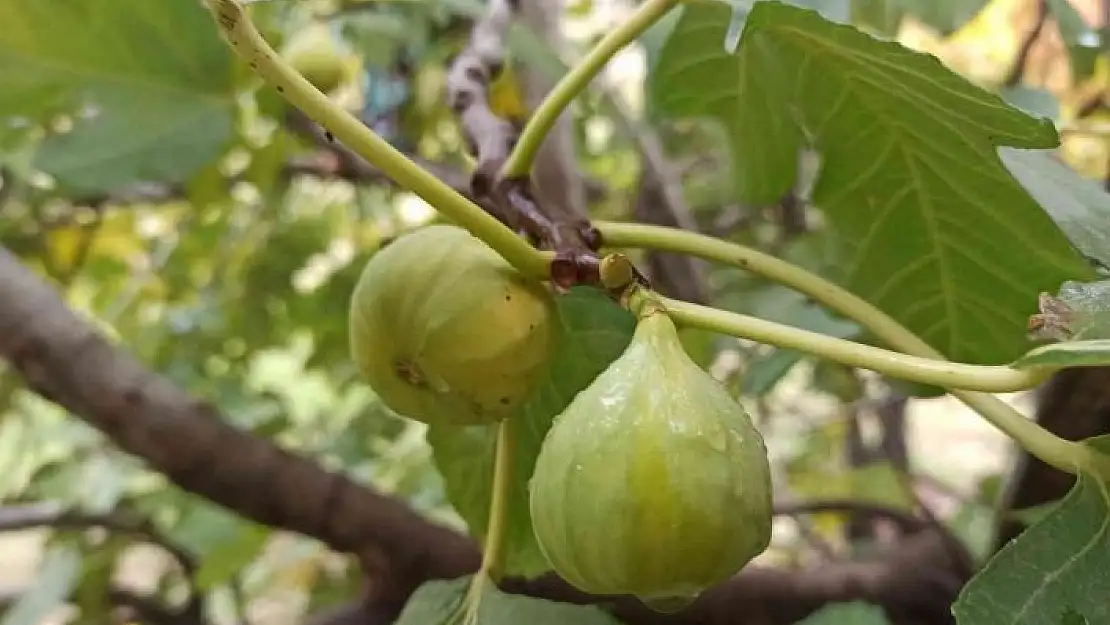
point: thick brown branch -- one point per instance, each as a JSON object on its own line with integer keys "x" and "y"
{"x": 1074, "y": 404}
{"x": 914, "y": 582}
{"x": 556, "y": 178}
{"x": 490, "y": 139}
{"x": 65, "y": 360}
{"x": 349, "y": 165}
{"x": 1028, "y": 40}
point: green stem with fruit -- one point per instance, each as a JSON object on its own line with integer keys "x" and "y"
{"x": 1062, "y": 454}
{"x": 617, "y": 273}
{"x": 575, "y": 81}
{"x": 493, "y": 555}
{"x": 493, "y": 551}
{"x": 932, "y": 371}
{"x": 248, "y": 43}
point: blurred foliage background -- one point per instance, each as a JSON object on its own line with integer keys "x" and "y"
{"x": 198, "y": 227}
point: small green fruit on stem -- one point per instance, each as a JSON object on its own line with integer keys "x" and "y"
{"x": 318, "y": 57}
{"x": 1069, "y": 456}
{"x": 446, "y": 331}
{"x": 654, "y": 481}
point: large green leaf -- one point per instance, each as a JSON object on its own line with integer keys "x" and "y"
{"x": 1059, "y": 565}
{"x": 157, "y": 75}
{"x": 435, "y": 602}
{"x": 695, "y": 76}
{"x": 594, "y": 332}
{"x": 936, "y": 231}
{"x": 1095, "y": 353}
{"x": 1036, "y": 101}
{"x": 1081, "y": 207}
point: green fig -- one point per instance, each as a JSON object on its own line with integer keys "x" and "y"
{"x": 316, "y": 55}
{"x": 446, "y": 331}
{"x": 653, "y": 482}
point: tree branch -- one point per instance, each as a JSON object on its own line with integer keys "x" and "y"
{"x": 65, "y": 360}
{"x": 556, "y": 177}
{"x": 490, "y": 139}
{"x": 1028, "y": 40}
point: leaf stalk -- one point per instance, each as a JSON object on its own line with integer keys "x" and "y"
{"x": 493, "y": 555}
{"x": 577, "y": 80}
{"x": 493, "y": 558}
{"x": 1062, "y": 454}
{"x": 932, "y": 371}
{"x": 248, "y": 43}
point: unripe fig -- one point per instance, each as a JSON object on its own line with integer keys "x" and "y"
{"x": 653, "y": 482}
{"x": 446, "y": 331}
{"x": 315, "y": 53}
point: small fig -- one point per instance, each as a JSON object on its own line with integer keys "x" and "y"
{"x": 316, "y": 54}
{"x": 446, "y": 331}
{"x": 653, "y": 482}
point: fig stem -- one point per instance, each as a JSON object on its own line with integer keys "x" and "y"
{"x": 642, "y": 302}
{"x": 1062, "y": 454}
{"x": 575, "y": 81}
{"x": 932, "y": 371}
{"x": 244, "y": 38}
{"x": 493, "y": 553}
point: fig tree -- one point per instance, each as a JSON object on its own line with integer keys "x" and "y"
{"x": 653, "y": 482}
{"x": 446, "y": 331}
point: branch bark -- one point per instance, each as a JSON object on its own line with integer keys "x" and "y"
{"x": 64, "y": 359}
{"x": 490, "y": 140}
{"x": 554, "y": 174}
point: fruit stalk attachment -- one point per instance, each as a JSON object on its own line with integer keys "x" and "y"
{"x": 654, "y": 481}
{"x": 1068, "y": 456}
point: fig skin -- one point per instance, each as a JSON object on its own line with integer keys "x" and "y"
{"x": 653, "y": 482}
{"x": 446, "y": 331}
{"x": 314, "y": 53}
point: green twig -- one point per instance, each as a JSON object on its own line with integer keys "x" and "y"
{"x": 1062, "y": 454}
{"x": 248, "y": 43}
{"x": 493, "y": 553}
{"x": 932, "y": 371}
{"x": 544, "y": 118}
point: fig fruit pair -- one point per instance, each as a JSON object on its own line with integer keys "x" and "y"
{"x": 446, "y": 331}
{"x": 653, "y": 482}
